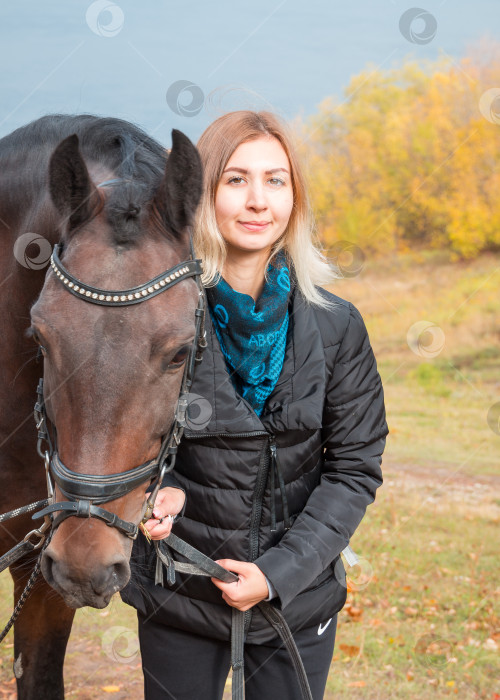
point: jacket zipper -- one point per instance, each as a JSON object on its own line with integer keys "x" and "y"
{"x": 276, "y": 471}
{"x": 258, "y": 497}
{"x": 255, "y": 518}
{"x": 254, "y": 433}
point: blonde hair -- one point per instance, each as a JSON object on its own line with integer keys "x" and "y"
{"x": 299, "y": 241}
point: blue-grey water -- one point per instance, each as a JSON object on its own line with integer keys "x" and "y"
{"x": 121, "y": 58}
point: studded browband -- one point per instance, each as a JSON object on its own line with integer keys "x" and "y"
{"x": 125, "y": 297}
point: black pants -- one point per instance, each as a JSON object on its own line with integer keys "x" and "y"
{"x": 179, "y": 665}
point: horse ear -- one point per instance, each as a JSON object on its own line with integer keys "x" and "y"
{"x": 73, "y": 192}
{"x": 180, "y": 190}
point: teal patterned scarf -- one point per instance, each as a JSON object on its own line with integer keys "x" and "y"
{"x": 252, "y": 334}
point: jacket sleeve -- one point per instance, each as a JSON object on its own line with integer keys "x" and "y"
{"x": 353, "y": 435}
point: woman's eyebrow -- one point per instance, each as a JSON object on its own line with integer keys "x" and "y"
{"x": 267, "y": 172}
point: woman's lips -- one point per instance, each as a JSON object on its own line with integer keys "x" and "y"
{"x": 255, "y": 227}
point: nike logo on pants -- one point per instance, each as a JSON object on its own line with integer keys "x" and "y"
{"x": 322, "y": 628}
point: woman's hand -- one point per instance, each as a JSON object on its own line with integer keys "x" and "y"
{"x": 169, "y": 501}
{"x": 249, "y": 590}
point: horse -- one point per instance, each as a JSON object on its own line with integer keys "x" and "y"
{"x": 102, "y": 201}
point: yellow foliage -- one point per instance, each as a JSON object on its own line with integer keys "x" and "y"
{"x": 408, "y": 160}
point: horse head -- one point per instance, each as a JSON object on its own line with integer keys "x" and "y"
{"x": 112, "y": 373}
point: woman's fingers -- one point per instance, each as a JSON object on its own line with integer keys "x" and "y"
{"x": 239, "y": 567}
{"x": 250, "y": 588}
{"x": 159, "y": 528}
{"x": 169, "y": 500}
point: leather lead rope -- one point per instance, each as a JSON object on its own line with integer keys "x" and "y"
{"x": 238, "y": 654}
{"x": 204, "y": 566}
{"x": 276, "y": 619}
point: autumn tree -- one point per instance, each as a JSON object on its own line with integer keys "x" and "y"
{"x": 408, "y": 160}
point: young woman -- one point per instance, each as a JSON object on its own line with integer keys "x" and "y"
{"x": 285, "y": 454}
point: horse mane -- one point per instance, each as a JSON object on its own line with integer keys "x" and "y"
{"x": 122, "y": 147}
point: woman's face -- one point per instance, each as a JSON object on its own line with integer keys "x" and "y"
{"x": 254, "y": 197}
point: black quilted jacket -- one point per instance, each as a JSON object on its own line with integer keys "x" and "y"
{"x": 322, "y": 433}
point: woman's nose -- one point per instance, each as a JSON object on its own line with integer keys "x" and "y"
{"x": 256, "y": 199}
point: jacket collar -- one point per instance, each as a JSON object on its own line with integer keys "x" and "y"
{"x": 296, "y": 402}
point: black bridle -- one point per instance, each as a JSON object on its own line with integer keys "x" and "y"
{"x": 86, "y": 492}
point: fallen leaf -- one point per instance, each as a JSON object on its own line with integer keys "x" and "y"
{"x": 354, "y": 612}
{"x": 349, "y": 649}
{"x": 356, "y": 684}
{"x": 411, "y": 611}
{"x": 111, "y": 688}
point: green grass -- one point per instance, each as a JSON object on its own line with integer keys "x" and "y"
{"x": 443, "y": 399}
{"x": 426, "y": 625}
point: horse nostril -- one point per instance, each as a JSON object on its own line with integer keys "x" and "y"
{"x": 112, "y": 577}
{"x": 120, "y": 573}
{"x": 46, "y": 565}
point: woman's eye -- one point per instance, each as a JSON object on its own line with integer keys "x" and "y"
{"x": 276, "y": 181}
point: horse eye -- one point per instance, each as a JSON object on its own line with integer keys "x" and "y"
{"x": 180, "y": 356}
{"x": 36, "y": 338}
